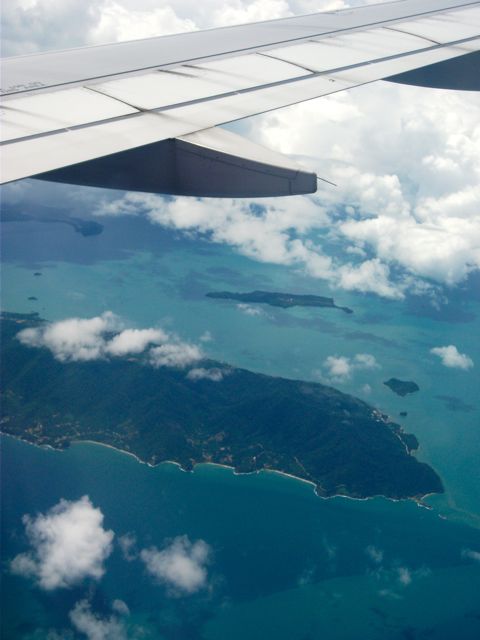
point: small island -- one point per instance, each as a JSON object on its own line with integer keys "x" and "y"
{"x": 402, "y": 387}
{"x": 32, "y": 298}
{"x": 245, "y": 420}
{"x": 275, "y": 299}
{"x": 84, "y": 227}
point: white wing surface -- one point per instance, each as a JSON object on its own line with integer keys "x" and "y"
{"x": 142, "y": 115}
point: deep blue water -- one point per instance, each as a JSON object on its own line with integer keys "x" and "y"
{"x": 285, "y": 563}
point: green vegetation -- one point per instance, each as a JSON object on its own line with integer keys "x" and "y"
{"x": 247, "y": 420}
{"x": 284, "y": 300}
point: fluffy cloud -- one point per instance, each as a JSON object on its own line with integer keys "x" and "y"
{"x": 78, "y": 339}
{"x": 214, "y": 374}
{"x": 94, "y": 627}
{"x": 68, "y": 544}
{"x": 451, "y": 357}
{"x": 338, "y": 367}
{"x": 239, "y": 12}
{"x": 181, "y": 566}
{"x": 72, "y": 339}
{"x": 259, "y": 232}
{"x": 407, "y": 164}
{"x": 175, "y": 354}
{"x": 120, "y": 21}
{"x": 341, "y": 368}
{"x": 134, "y": 341}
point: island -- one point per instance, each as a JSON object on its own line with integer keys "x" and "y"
{"x": 403, "y": 414}
{"x": 245, "y": 420}
{"x": 275, "y": 299}
{"x": 402, "y": 387}
{"x": 32, "y": 298}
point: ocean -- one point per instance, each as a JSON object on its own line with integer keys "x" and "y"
{"x": 285, "y": 563}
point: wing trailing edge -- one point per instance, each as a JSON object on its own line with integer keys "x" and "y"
{"x": 209, "y": 163}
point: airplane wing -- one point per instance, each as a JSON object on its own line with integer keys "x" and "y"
{"x": 146, "y": 115}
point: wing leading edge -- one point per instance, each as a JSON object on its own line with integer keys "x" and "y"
{"x": 147, "y": 121}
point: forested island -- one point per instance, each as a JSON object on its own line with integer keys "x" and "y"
{"x": 274, "y": 299}
{"x": 402, "y": 387}
{"x": 245, "y": 420}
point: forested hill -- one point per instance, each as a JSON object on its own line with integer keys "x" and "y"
{"x": 243, "y": 419}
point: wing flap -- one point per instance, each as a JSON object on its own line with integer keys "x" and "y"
{"x": 210, "y": 163}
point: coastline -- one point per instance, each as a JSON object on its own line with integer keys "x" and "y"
{"x": 419, "y": 501}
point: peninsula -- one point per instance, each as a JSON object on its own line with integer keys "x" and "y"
{"x": 402, "y": 387}
{"x": 242, "y": 419}
{"x": 274, "y": 299}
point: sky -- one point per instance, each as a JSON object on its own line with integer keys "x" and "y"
{"x": 405, "y": 216}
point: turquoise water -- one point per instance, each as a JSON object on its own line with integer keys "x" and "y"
{"x": 286, "y": 564}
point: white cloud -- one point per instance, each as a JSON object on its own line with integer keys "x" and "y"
{"x": 214, "y": 374}
{"x": 72, "y": 339}
{"x": 68, "y": 544}
{"x": 238, "y": 12}
{"x": 175, "y": 354}
{"x": 407, "y": 163}
{"x": 365, "y": 361}
{"x": 451, "y": 357}
{"x": 77, "y": 339}
{"x": 134, "y": 341}
{"x": 341, "y": 368}
{"x": 93, "y": 626}
{"x": 206, "y": 337}
{"x": 338, "y": 368}
{"x": 181, "y": 566}
{"x": 250, "y": 310}
{"x": 371, "y": 276}
{"x": 119, "y": 22}
{"x": 262, "y": 234}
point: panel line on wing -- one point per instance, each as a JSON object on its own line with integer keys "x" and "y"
{"x": 107, "y": 95}
{"x": 252, "y": 89}
{"x": 415, "y": 35}
{"x": 294, "y": 64}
